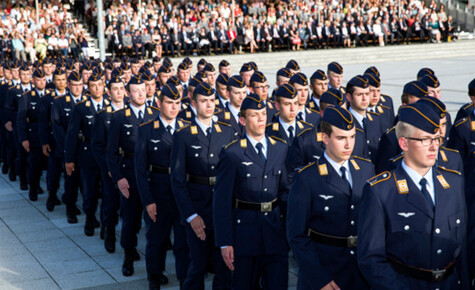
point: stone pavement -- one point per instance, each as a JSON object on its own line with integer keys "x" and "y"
{"x": 39, "y": 249}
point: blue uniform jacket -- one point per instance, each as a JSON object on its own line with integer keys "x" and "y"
{"x": 275, "y": 129}
{"x": 397, "y": 221}
{"x": 462, "y": 138}
{"x": 13, "y": 96}
{"x": 227, "y": 117}
{"x": 388, "y": 148}
{"x": 242, "y": 175}
{"x": 320, "y": 200}
{"x": 447, "y": 158}
{"x": 100, "y": 130}
{"x": 28, "y": 118}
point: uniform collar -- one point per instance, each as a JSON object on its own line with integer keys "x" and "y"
{"x": 254, "y": 143}
{"x": 286, "y": 126}
{"x": 337, "y": 167}
{"x": 203, "y": 127}
{"x": 136, "y": 110}
{"x": 357, "y": 116}
{"x": 416, "y": 178}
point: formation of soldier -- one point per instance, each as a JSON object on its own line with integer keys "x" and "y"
{"x": 364, "y": 196}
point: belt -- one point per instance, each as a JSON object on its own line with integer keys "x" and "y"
{"x": 347, "y": 242}
{"x": 201, "y": 179}
{"x": 160, "y": 169}
{"x": 126, "y": 154}
{"x": 422, "y": 274}
{"x": 257, "y": 206}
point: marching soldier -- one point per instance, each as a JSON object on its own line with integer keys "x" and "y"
{"x": 323, "y": 209}
{"x": 151, "y": 88}
{"x": 300, "y": 82}
{"x": 384, "y": 100}
{"x": 250, "y": 201}
{"x": 335, "y": 76}
{"x": 152, "y": 168}
{"x": 260, "y": 87}
{"x": 293, "y": 67}
{"x": 467, "y": 109}
{"x": 222, "y": 95}
{"x": 194, "y": 160}
{"x": 375, "y": 102}
{"x": 225, "y": 67}
{"x": 434, "y": 90}
{"x": 412, "y": 226}
{"x": 318, "y": 85}
{"x": 120, "y": 149}
{"x": 210, "y": 72}
{"x": 3, "y": 131}
{"x": 236, "y": 89}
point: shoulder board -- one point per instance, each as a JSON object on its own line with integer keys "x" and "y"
{"x": 467, "y": 106}
{"x": 225, "y": 124}
{"x": 373, "y": 113}
{"x": 306, "y": 123}
{"x": 449, "y": 149}
{"x": 186, "y": 126}
{"x": 305, "y": 167}
{"x": 106, "y": 102}
{"x": 386, "y": 107}
{"x": 155, "y": 108}
{"x": 449, "y": 170}
{"x": 226, "y": 147}
{"x": 393, "y": 128}
{"x": 127, "y": 112}
{"x": 10, "y": 83}
{"x": 109, "y": 109}
{"x": 149, "y": 111}
{"x": 394, "y": 159}
{"x": 3, "y": 82}
{"x": 88, "y": 103}
{"x": 313, "y": 110}
{"x": 53, "y": 94}
{"x": 361, "y": 158}
{"x": 460, "y": 122}
{"x": 185, "y": 121}
{"x": 18, "y": 87}
{"x": 81, "y": 102}
{"x": 217, "y": 112}
{"x": 26, "y": 92}
{"x": 358, "y": 129}
{"x": 47, "y": 91}
{"x": 58, "y": 97}
{"x": 304, "y": 131}
{"x": 143, "y": 124}
{"x": 278, "y": 139}
{"x": 379, "y": 178}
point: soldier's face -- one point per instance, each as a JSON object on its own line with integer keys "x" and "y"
{"x": 211, "y": 76}
{"x": 443, "y": 127}
{"x": 169, "y": 108}
{"x": 127, "y": 75}
{"x": 335, "y": 79}
{"x": 261, "y": 89}
{"x": 225, "y": 70}
{"x": 76, "y": 88}
{"x": 282, "y": 80}
{"x": 222, "y": 91}
{"x": 40, "y": 83}
{"x": 255, "y": 122}
{"x": 359, "y": 101}
{"x": 25, "y": 77}
{"x": 48, "y": 68}
{"x": 60, "y": 82}
{"x": 247, "y": 76}
{"x": 434, "y": 92}
{"x": 204, "y": 106}
{"x": 288, "y": 109}
{"x": 86, "y": 74}
{"x": 416, "y": 155}
{"x": 339, "y": 145}
{"x": 8, "y": 74}
{"x": 236, "y": 96}
{"x": 96, "y": 88}
{"x": 319, "y": 87}
{"x": 117, "y": 92}
{"x": 16, "y": 73}
{"x": 375, "y": 95}
{"x": 135, "y": 68}
{"x": 151, "y": 87}
{"x": 302, "y": 93}
{"x": 138, "y": 94}
{"x": 183, "y": 75}
{"x": 163, "y": 78}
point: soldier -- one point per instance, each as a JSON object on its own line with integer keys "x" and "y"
{"x": 135, "y": 66}
{"x": 260, "y": 87}
{"x": 335, "y": 76}
{"x": 126, "y": 72}
{"x": 85, "y": 71}
{"x": 152, "y": 168}
{"x": 151, "y": 88}
{"x": 3, "y": 131}
{"x": 47, "y": 139}
{"x": 189, "y": 113}
{"x": 77, "y": 150}
{"x": 100, "y": 130}
{"x": 236, "y": 89}
{"x": 164, "y": 73}
{"x": 412, "y": 225}
{"x": 384, "y": 100}
{"x": 201, "y": 64}
{"x": 225, "y": 67}
{"x": 184, "y": 76}
{"x": 250, "y": 201}
{"x": 323, "y": 209}
{"x": 423, "y": 72}
{"x": 282, "y": 77}
{"x": 194, "y": 160}
{"x": 357, "y": 94}
{"x": 121, "y": 140}
{"x": 285, "y": 126}
{"x": 434, "y": 90}
{"x": 467, "y": 109}
{"x": 246, "y": 73}
{"x": 222, "y": 94}
{"x": 318, "y": 85}
{"x": 210, "y": 74}
{"x": 300, "y": 82}
{"x": 293, "y": 67}
{"x": 48, "y": 68}
{"x": 61, "y": 112}
{"x": 375, "y": 105}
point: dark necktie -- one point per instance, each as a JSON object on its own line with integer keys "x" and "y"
{"x": 425, "y": 192}
{"x": 291, "y": 134}
{"x": 149, "y": 103}
{"x": 345, "y": 180}
{"x": 98, "y": 107}
{"x": 169, "y": 129}
{"x": 140, "y": 116}
{"x": 300, "y": 116}
{"x": 260, "y": 152}
{"x": 208, "y": 133}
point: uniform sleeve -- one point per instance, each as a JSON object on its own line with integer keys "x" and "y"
{"x": 178, "y": 176}
{"x": 22, "y": 126}
{"x": 387, "y": 150}
{"x": 99, "y": 141}
{"x": 113, "y": 157}
{"x": 141, "y": 166}
{"x": 10, "y": 110}
{"x": 456, "y": 141}
{"x": 295, "y": 158}
{"x": 45, "y": 117}
{"x": 298, "y": 220}
{"x": 71, "y": 140}
{"x": 58, "y": 129}
{"x": 284, "y": 186}
{"x": 223, "y": 200}
{"x": 372, "y": 258}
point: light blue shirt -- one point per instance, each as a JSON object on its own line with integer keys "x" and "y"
{"x": 287, "y": 125}
{"x": 233, "y": 111}
{"x": 136, "y": 110}
{"x": 172, "y": 124}
{"x": 357, "y": 116}
{"x": 416, "y": 178}
{"x": 203, "y": 127}
{"x": 254, "y": 143}
{"x": 337, "y": 167}
{"x": 95, "y": 103}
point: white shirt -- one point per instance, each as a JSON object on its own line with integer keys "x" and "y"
{"x": 337, "y": 167}
{"x": 26, "y": 88}
{"x": 287, "y": 125}
{"x": 171, "y": 124}
{"x": 416, "y": 178}
{"x": 136, "y": 110}
{"x": 94, "y": 104}
{"x": 254, "y": 143}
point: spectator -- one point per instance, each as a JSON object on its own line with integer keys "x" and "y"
{"x": 84, "y": 44}
{"x": 157, "y": 42}
{"x": 29, "y": 47}
{"x": 41, "y": 46}
{"x": 249, "y": 38}
{"x": 74, "y": 45}
{"x": 63, "y": 45}
{"x": 147, "y": 43}
{"x": 18, "y": 47}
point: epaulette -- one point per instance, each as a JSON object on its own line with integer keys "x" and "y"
{"x": 225, "y": 124}
{"x": 3, "y": 82}
{"x": 109, "y": 109}
{"x": 10, "y": 83}
{"x": 358, "y": 129}
{"x": 53, "y": 94}
{"x": 58, "y": 97}
{"x": 313, "y": 111}
{"x": 379, "y": 178}
{"x": 226, "y": 147}
{"x": 278, "y": 139}
{"x": 386, "y": 107}
{"x": 393, "y": 128}
{"x": 449, "y": 170}
{"x": 306, "y": 123}
{"x": 449, "y": 149}
{"x": 304, "y": 131}
{"x": 396, "y": 158}
{"x": 460, "y": 122}
{"x": 156, "y": 108}
{"x": 18, "y": 87}
{"x": 305, "y": 167}
{"x": 217, "y": 112}
{"x": 83, "y": 101}
{"x": 186, "y": 126}
{"x": 143, "y": 124}
{"x": 183, "y": 120}
{"x": 361, "y": 158}
{"x": 467, "y": 106}
{"x": 373, "y": 113}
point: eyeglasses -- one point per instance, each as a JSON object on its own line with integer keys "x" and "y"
{"x": 427, "y": 141}
{"x": 262, "y": 87}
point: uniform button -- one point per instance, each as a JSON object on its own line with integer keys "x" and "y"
{"x": 211, "y": 155}
{"x": 265, "y": 213}
{"x": 352, "y": 252}
{"x": 89, "y": 123}
{"x": 352, "y": 223}
{"x": 352, "y": 207}
{"x": 128, "y": 133}
{"x": 155, "y": 148}
{"x": 248, "y": 175}
{"x": 439, "y": 251}
{"x": 123, "y": 165}
{"x": 196, "y": 155}
{"x": 238, "y": 221}
{"x": 265, "y": 176}
{"x": 457, "y": 221}
{"x": 278, "y": 172}
{"x": 265, "y": 189}
{"x": 326, "y": 208}
{"x": 212, "y": 167}
{"x": 406, "y": 227}
{"x": 437, "y": 231}
{"x": 367, "y": 141}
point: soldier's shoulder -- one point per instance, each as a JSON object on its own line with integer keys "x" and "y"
{"x": 306, "y": 167}
{"x": 397, "y": 157}
{"x": 275, "y": 140}
{"x": 361, "y": 159}
{"x": 147, "y": 123}
{"x": 449, "y": 149}
{"x": 460, "y": 122}
{"x": 233, "y": 142}
{"x": 308, "y": 125}
{"x": 450, "y": 171}
{"x": 304, "y": 131}
{"x": 380, "y": 178}
{"x": 223, "y": 123}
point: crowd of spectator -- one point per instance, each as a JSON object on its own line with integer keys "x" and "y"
{"x": 176, "y": 28}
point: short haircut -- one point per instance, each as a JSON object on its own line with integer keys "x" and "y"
{"x": 403, "y": 129}
{"x": 326, "y": 128}
{"x": 405, "y": 98}
{"x": 471, "y": 92}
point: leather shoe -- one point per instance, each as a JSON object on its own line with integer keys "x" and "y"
{"x": 5, "y": 168}
{"x": 11, "y": 175}
{"x": 50, "y": 204}
{"x": 72, "y": 219}
{"x": 153, "y": 282}
{"x": 75, "y": 209}
{"x": 163, "y": 279}
{"x": 109, "y": 239}
{"x": 24, "y": 186}
{"x": 135, "y": 255}
{"x": 89, "y": 226}
{"x": 97, "y": 224}
{"x": 32, "y": 195}
{"x": 128, "y": 265}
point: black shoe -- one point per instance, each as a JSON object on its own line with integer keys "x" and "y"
{"x": 50, "y": 204}
{"x": 33, "y": 196}
{"x": 24, "y": 184}
{"x": 11, "y": 175}
{"x": 102, "y": 233}
{"x": 163, "y": 279}
{"x": 72, "y": 219}
{"x": 153, "y": 281}
{"x": 135, "y": 255}
{"x": 5, "y": 168}
{"x": 75, "y": 209}
{"x": 89, "y": 226}
{"x": 128, "y": 265}
{"x": 97, "y": 224}
{"x": 109, "y": 239}
{"x": 40, "y": 190}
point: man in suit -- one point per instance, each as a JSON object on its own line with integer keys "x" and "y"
{"x": 300, "y": 82}
{"x": 194, "y": 159}
{"x": 120, "y": 150}
{"x": 323, "y": 208}
{"x": 412, "y": 227}
{"x": 250, "y": 200}
{"x": 152, "y": 169}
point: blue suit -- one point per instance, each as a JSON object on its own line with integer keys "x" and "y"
{"x": 447, "y": 158}
{"x": 152, "y": 164}
{"x": 464, "y": 111}
{"x": 193, "y": 154}
{"x": 121, "y": 140}
{"x": 386, "y": 116}
{"x": 276, "y": 129}
{"x": 320, "y": 200}
{"x": 227, "y": 117}
{"x": 312, "y": 105}
{"x": 399, "y": 226}
{"x": 371, "y": 136}
{"x": 462, "y": 138}
{"x": 243, "y": 176}
{"x": 388, "y": 148}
